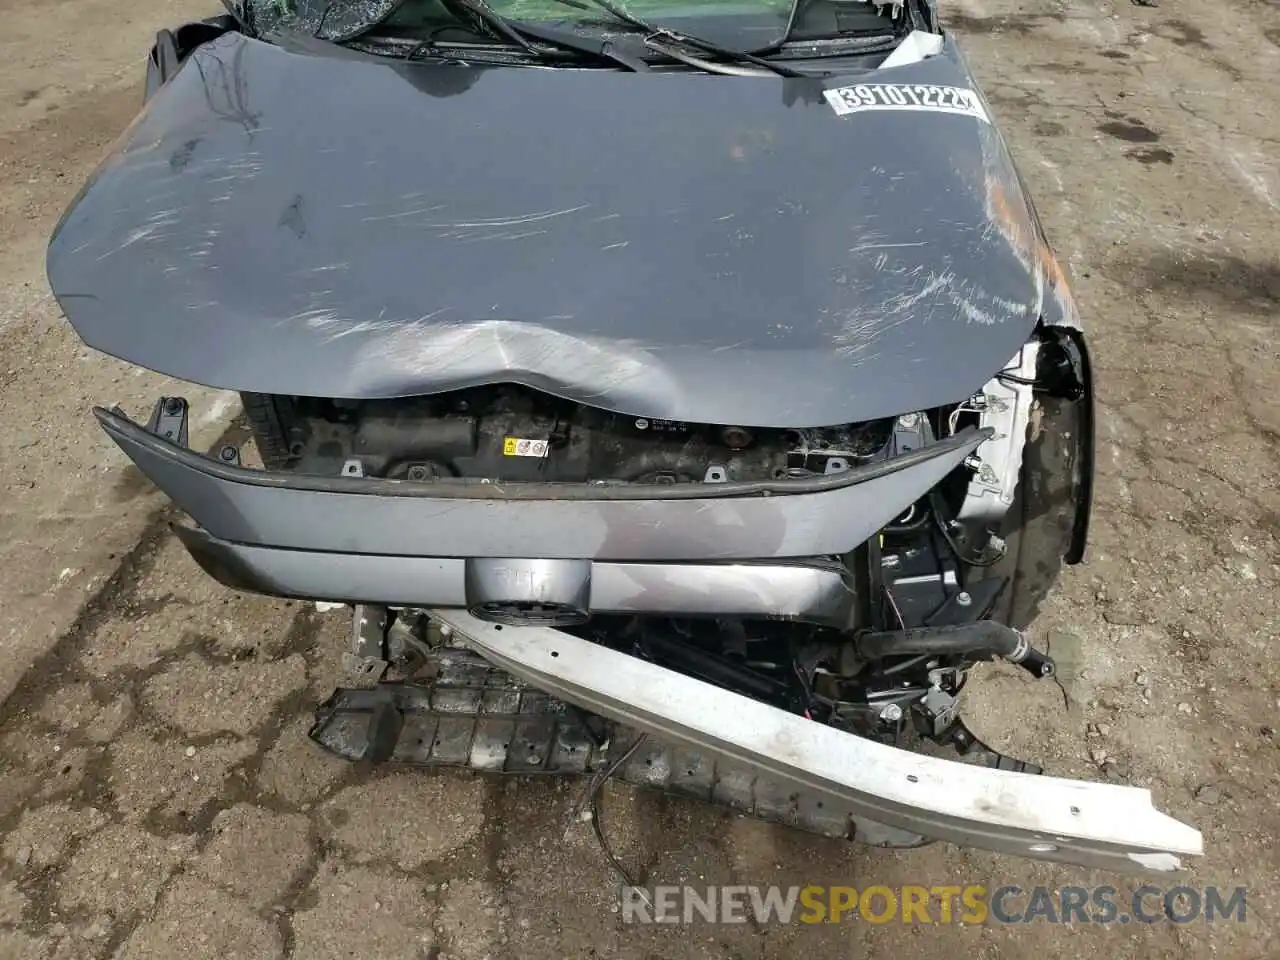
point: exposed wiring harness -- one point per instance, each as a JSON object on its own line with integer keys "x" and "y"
{"x": 590, "y": 803}
{"x": 954, "y": 419}
{"x": 935, "y": 508}
{"x": 1014, "y": 378}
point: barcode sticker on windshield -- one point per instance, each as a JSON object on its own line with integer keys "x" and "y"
{"x": 521, "y": 447}
{"x": 906, "y": 96}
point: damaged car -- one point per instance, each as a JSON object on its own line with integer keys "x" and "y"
{"x": 678, "y": 391}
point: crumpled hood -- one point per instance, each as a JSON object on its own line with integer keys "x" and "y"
{"x": 685, "y": 246}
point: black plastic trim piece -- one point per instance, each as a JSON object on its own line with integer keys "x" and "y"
{"x": 121, "y": 427}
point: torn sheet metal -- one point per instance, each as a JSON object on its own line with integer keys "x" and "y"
{"x": 1090, "y": 824}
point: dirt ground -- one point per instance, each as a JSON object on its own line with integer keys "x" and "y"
{"x": 158, "y": 796}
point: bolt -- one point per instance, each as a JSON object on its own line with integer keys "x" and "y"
{"x": 963, "y": 599}
{"x": 173, "y": 405}
{"x": 891, "y": 713}
{"x": 227, "y": 454}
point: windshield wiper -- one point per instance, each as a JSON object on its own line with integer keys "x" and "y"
{"x": 520, "y": 34}
{"x": 759, "y": 67}
{"x": 666, "y": 41}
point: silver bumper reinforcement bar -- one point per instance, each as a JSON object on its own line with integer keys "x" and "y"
{"x": 1091, "y": 824}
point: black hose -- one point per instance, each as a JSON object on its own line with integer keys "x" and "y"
{"x": 983, "y": 637}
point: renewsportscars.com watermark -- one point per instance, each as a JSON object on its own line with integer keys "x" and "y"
{"x": 971, "y": 904}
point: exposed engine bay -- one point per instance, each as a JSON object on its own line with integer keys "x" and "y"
{"x": 512, "y": 434}
{"x": 894, "y": 665}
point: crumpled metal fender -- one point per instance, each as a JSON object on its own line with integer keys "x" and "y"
{"x": 1048, "y": 818}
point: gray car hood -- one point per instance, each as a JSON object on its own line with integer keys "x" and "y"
{"x": 703, "y": 248}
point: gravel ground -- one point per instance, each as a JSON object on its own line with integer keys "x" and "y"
{"x": 158, "y": 795}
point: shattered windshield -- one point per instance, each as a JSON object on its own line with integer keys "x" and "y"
{"x": 748, "y": 24}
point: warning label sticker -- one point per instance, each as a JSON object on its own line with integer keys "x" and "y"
{"x": 523, "y": 447}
